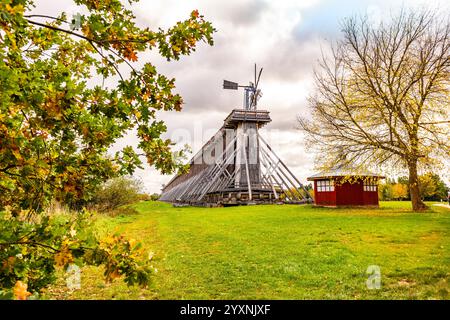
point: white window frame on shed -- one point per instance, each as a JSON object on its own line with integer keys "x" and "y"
{"x": 325, "y": 185}
{"x": 370, "y": 186}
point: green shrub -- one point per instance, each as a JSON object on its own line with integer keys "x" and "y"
{"x": 144, "y": 197}
{"x": 122, "y": 211}
{"x": 154, "y": 196}
{"x": 117, "y": 192}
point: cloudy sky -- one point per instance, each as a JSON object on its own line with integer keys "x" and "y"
{"x": 285, "y": 37}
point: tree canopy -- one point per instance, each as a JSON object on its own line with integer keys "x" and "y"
{"x": 382, "y": 98}
{"x": 57, "y": 122}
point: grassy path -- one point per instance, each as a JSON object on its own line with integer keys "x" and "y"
{"x": 282, "y": 252}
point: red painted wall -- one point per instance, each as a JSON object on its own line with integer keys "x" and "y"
{"x": 371, "y": 198}
{"x": 327, "y": 198}
{"x": 346, "y": 194}
{"x": 350, "y": 194}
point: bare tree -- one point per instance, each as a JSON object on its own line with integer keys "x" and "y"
{"x": 383, "y": 97}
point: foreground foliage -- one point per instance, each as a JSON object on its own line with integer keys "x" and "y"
{"x": 57, "y": 123}
{"x": 58, "y": 118}
{"x": 31, "y": 250}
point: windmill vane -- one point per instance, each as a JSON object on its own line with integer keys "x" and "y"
{"x": 251, "y": 91}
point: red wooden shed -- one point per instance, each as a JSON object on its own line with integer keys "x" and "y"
{"x": 345, "y": 188}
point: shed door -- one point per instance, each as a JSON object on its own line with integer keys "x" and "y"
{"x": 348, "y": 194}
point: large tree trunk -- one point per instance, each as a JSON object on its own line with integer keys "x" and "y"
{"x": 417, "y": 203}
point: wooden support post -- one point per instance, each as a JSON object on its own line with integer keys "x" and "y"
{"x": 287, "y": 169}
{"x": 280, "y": 174}
{"x": 287, "y": 190}
{"x": 269, "y": 177}
{"x": 247, "y": 172}
{"x": 217, "y": 171}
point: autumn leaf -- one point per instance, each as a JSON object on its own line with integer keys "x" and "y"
{"x": 16, "y": 9}
{"x": 8, "y": 264}
{"x": 63, "y": 257}
{"x": 20, "y": 291}
{"x": 130, "y": 53}
{"x": 195, "y": 14}
{"x": 132, "y": 56}
{"x": 112, "y": 275}
{"x": 176, "y": 49}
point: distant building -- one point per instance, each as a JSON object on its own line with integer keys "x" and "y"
{"x": 340, "y": 187}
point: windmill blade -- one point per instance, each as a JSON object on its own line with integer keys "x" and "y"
{"x": 255, "y": 74}
{"x": 259, "y": 76}
{"x": 254, "y": 98}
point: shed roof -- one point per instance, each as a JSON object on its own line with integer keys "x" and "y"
{"x": 343, "y": 172}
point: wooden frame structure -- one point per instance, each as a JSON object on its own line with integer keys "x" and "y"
{"x": 236, "y": 167}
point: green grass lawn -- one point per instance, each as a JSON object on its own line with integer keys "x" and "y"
{"x": 281, "y": 252}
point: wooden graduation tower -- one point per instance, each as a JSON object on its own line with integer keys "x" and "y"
{"x": 237, "y": 166}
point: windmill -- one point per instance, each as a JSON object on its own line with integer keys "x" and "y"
{"x": 242, "y": 167}
{"x": 251, "y": 92}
